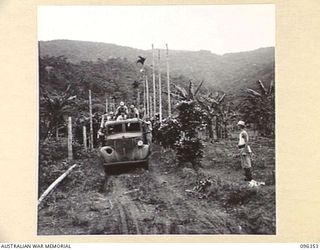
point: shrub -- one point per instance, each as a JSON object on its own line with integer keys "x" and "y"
{"x": 180, "y": 133}
{"x": 190, "y": 150}
{"x": 167, "y": 134}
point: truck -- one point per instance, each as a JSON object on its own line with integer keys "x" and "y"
{"x": 125, "y": 142}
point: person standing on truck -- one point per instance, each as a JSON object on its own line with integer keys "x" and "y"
{"x": 133, "y": 112}
{"x": 122, "y": 111}
{"x": 245, "y": 151}
{"x": 141, "y": 111}
{"x": 148, "y": 132}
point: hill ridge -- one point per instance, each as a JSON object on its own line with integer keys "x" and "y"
{"x": 228, "y": 72}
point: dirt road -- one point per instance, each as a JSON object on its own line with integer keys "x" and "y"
{"x": 155, "y": 201}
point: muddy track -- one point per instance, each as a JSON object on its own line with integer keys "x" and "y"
{"x": 167, "y": 211}
{"x": 128, "y": 212}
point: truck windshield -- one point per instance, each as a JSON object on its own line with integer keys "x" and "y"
{"x": 114, "y": 129}
{"x": 133, "y": 127}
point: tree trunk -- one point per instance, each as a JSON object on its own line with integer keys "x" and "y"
{"x": 70, "y": 152}
{"x": 210, "y": 128}
{"x": 225, "y": 131}
{"x": 218, "y": 128}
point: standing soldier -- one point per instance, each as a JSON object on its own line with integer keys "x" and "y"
{"x": 122, "y": 111}
{"x": 245, "y": 151}
{"x": 141, "y": 111}
{"x": 133, "y": 112}
{"x": 148, "y": 124}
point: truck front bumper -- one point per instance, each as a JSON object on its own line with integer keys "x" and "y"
{"x": 121, "y": 163}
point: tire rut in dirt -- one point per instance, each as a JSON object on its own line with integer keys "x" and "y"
{"x": 208, "y": 222}
{"x": 128, "y": 211}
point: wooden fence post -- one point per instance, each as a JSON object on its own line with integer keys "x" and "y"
{"x": 147, "y": 95}
{"x": 70, "y": 154}
{"x": 160, "y": 91}
{"x": 84, "y": 132}
{"x": 91, "y": 125}
{"x": 144, "y": 98}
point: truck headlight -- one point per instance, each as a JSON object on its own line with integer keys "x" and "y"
{"x": 109, "y": 151}
{"x": 140, "y": 143}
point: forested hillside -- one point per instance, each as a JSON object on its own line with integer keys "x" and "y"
{"x": 230, "y": 72}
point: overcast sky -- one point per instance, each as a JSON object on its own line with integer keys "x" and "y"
{"x": 218, "y": 28}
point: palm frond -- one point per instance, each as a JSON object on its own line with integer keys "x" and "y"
{"x": 190, "y": 93}
{"x": 198, "y": 88}
{"x": 180, "y": 91}
{"x": 271, "y": 87}
{"x": 221, "y": 98}
{"x": 262, "y": 88}
{"x": 253, "y": 92}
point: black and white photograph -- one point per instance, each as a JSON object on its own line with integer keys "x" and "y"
{"x": 156, "y": 120}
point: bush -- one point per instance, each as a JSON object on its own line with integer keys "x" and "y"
{"x": 190, "y": 150}
{"x": 180, "y": 133}
{"x": 53, "y": 160}
{"x": 167, "y": 134}
{"x": 52, "y": 150}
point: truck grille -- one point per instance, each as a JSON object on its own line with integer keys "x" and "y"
{"x": 123, "y": 147}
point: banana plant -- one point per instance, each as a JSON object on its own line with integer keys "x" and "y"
{"x": 55, "y": 108}
{"x": 259, "y": 107}
{"x": 186, "y": 94}
{"x": 213, "y": 106}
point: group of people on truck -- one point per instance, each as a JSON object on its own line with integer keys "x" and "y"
{"x": 123, "y": 112}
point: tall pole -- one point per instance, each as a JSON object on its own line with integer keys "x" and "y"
{"x": 160, "y": 91}
{"x": 154, "y": 84}
{"x": 144, "y": 98}
{"x": 70, "y": 154}
{"x": 168, "y": 83}
{"x": 84, "y": 133}
{"x": 114, "y": 104}
{"x": 151, "y": 108}
{"x": 91, "y": 125}
{"x": 107, "y": 105}
{"x": 147, "y": 94}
